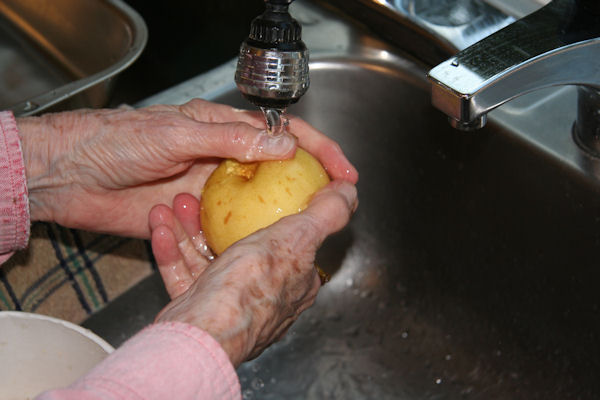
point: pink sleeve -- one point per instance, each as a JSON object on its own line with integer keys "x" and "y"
{"x": 163, "y": 361}
{"x": 14, "y": 202}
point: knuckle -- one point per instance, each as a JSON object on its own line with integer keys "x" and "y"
{"x": 335, "y": 146}
{"x": 196, "y": 102}
{"x": 297, "y": 234}
{"x": 336, "y": 209}
{"x": 251, "y": 255}
{"x": 311, "y": 227}
{"x": 236, "y": 132}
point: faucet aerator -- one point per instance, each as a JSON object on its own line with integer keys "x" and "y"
{"x": 468, "y": 126}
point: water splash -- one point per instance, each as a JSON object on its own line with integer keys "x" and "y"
{"x": 276, "y": 120}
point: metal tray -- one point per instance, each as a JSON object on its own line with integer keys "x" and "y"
{"x": 64, "y": 51}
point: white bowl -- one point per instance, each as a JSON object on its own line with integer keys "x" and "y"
{"x": 38, "y": 353}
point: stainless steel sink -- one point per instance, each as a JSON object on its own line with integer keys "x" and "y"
{"x": 64, "y": 51}
{"x": 470, "y": 268}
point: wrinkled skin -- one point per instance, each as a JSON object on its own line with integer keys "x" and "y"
{"x": 249, "y": 296}
{"x": 103, "y": 170}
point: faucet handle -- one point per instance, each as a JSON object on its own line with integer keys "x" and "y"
{"x": 552, "y": 46}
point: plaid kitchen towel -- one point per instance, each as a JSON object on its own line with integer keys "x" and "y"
{"x": 70, "y": 274}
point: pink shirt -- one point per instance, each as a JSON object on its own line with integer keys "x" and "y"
{"x": 163, "y": 361}
{"x": 14, "y": 203}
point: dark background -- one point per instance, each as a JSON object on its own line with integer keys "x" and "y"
{"x": 185, "y": 39}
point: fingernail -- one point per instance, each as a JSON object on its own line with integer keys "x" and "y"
{"x": 347, "y": 190}
{"x": 277, "y": 145}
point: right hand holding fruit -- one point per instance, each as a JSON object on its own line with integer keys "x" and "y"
{"x": 248, "y": 297}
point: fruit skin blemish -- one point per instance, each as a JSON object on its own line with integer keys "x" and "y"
{"x": 240, "y": 198}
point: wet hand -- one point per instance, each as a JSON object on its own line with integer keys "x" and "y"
{"x": 249, "y": 296}
{"x": 103, "y": 170}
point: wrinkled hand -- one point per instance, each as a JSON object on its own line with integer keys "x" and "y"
{"x": 103, "y": 170}
{"x": 249, "y": 296}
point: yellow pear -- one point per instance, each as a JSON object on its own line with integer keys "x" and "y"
{"x": 240, "y": 198}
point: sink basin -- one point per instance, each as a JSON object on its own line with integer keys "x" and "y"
{"x": 468, "y": 271}
{"x": 64, "y": 53}
{"x": 469, "y": 268}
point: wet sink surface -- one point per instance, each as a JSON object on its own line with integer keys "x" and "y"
{"x": 468, "y": 271}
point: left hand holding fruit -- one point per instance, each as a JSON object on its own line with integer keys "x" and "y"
{"x": 103, "y": 170}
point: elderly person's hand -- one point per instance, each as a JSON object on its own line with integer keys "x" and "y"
{"x": 103, "y": 170}
{"x": 247, "y": 297}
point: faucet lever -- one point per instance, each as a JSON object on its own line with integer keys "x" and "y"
{"x": 556, "y": 45}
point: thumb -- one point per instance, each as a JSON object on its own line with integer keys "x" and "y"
{"x": 240, "y": 141}
{"x": 330, "y": 209}
{"x": 328, "y": 212}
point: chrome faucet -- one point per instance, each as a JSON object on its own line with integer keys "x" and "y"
{"x": 272, "y": 70}
{"x": 557, "y": 45}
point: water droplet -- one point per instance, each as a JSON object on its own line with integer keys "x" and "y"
{"x": 448, "y": 357}
{"x": 30, "y": 106}
{"x": 247, "y": 394}
{"x": 349, "y": 282}
{"x": 404, "y": 335}
{"x": 257, "y": 384}
{"x": 438, "y": 381}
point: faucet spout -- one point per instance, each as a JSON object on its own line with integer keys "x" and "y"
{"x": 556, "y": 45}
{"x": 272, "y": 70}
